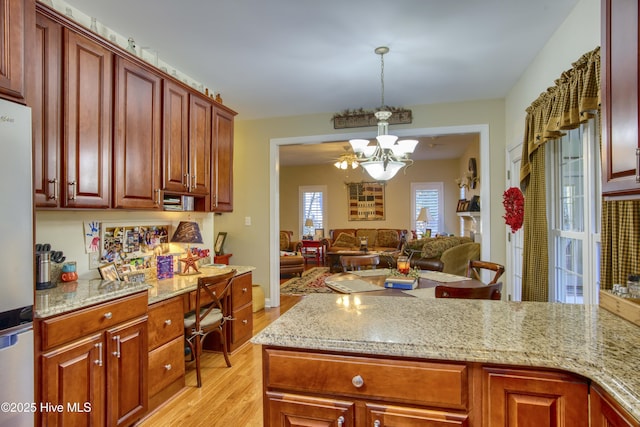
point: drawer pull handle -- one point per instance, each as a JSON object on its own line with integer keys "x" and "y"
{"x": 167, "y": 322}
{"x": 340, "y": 421}
{"x": 376, "y": 423}
{"x": 357, "y": 381}
{"x": 245, "y": 321}
{"x": 167, "y": 366}
{"x": 244, "y": 290}
{"x": 108, "y": 315}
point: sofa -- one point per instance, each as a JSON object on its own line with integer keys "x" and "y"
{"x": 378, "y": 239}
{"x": 291, "y": 260}
{"x": 449, "y": 254}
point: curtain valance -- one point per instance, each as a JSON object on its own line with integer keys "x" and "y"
{"x": 572, "y": 101}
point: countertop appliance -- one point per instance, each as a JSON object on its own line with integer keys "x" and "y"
{"x": 17, "y": 257}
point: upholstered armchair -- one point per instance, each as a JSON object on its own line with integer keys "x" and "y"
{"x": 291, "y": 260}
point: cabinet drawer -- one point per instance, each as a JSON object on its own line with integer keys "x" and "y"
{"x": 68, "y": 327}
{"x": 241, "y": 325}
{"x": 165, "y": 322}
{"x": 166, "y": 364}
{"x": 443, "y": 385}
{"x": 241, "y": 291}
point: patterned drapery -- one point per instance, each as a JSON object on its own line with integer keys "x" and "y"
{"x": 573, "y": 100}
{"x": 620, "y": 253}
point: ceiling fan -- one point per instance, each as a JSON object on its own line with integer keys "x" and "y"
{"x": 346, "y": 160}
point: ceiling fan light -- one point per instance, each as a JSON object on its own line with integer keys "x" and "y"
{"x": 358, "y": 145}
{"x": 386, "y": 141}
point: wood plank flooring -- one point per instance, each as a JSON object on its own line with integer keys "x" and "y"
{"x": 230, "y": 397}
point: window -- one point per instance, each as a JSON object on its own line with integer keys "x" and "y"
{"x": 427, "y": 195}
{"x": 574, "y": 216}
{"x": 312, "y": 204}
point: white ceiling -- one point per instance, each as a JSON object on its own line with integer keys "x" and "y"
{"x": 271, "y": 58}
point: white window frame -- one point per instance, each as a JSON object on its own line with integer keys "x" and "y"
{"x": 426, "y": 186}
{"x": 312, "y": 189}
{"x": 592, "y": 208}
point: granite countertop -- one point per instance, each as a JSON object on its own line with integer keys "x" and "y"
{"x": 66, "y": 297}
{"x": 585, "y": 340}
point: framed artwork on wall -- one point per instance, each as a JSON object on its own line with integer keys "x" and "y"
{"x": 365, "y": 201}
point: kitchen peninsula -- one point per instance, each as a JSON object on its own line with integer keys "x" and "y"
{"x": 361, "y": 359}
{"x": 119, "y": 347}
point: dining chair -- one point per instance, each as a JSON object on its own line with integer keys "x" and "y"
{"x": 209, "y": 315}
{"x": 475, "y": 267}
{"x": 359, "y": 262}
{"x": 492, "y": 291}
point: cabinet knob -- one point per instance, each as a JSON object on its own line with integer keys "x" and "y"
{"x": 167, "y": 322}
{"x": 245, "y": 321}
{"x": 244, "y": 290}
{"x": 167, "y": 366}
{"x": 340, "y": 421}
{"x": 376, "y": 423}
{"x": 108, "y": 315}
{"x": 357, "y": 381}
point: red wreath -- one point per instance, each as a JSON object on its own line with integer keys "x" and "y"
{"x": 513, "y": 202}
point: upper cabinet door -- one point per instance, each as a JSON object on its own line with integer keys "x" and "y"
{"x": 199, "y": 144}
{"x": 45, "y": 101}
{"x": 13, "y": 47}
{"x": 620, "y": 157}
{"x": 86, "y": 150}
{"x": 136, "y": 177}
{"x": 175, "y": 145}
{"x": 222, "y": 158}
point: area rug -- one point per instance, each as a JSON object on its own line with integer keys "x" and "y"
{"x": 311, "y": 282}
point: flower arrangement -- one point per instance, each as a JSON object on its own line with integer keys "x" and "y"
{"x": 513, "y": 202}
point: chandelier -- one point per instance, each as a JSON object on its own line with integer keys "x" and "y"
{"x": 387, "y": 155}
{"x": 345, "y": 160}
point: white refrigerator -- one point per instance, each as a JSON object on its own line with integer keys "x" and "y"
{"x": 17, "y": 267}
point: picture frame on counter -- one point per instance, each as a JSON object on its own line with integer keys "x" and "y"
{"x": 219, "y": 245}
{"x": 109, "y": 271}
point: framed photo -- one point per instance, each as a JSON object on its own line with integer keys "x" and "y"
{"x": 218, "y": 248}
{"x": 109, "y": 272}
{"x": 461, "y": 205}
{"x": 319, "y": 234}
{"x": 427, "y": 232}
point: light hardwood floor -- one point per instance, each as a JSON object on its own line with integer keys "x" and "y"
{"x": 230, "y": 397}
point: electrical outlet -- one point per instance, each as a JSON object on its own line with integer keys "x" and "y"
{"x": 94, "y": 260}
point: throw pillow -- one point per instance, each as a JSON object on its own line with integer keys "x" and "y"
{"x": 435, "y": 247}
{"x": 346, "y": 240}
{"x": 388, "y": 239}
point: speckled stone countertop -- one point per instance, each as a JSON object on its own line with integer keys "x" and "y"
{"x": 66, "y": 297}
{"x": 585, "y": 340}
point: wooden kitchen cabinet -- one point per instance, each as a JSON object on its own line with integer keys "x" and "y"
{"x": 516, "y": 397}
{"x": 619, "y": 50}
{"x": 46, "y": 110}
{"x": 605, "y": 412}
{"x": 14, "y": 27}
{"x": 86, "y": 150}
{"x": 304, "y": 388}
{"x": 222, "y": 161}
{"x": 166, "y": 350}
{"x": 96, "y": 355}
{"x": 187, "y": 141}
{"x": 137, "y": 140}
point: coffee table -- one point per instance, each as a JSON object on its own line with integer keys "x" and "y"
{"x": 333, "y": 258}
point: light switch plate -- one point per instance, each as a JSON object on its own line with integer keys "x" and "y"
{"x": 247, "y": 220}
